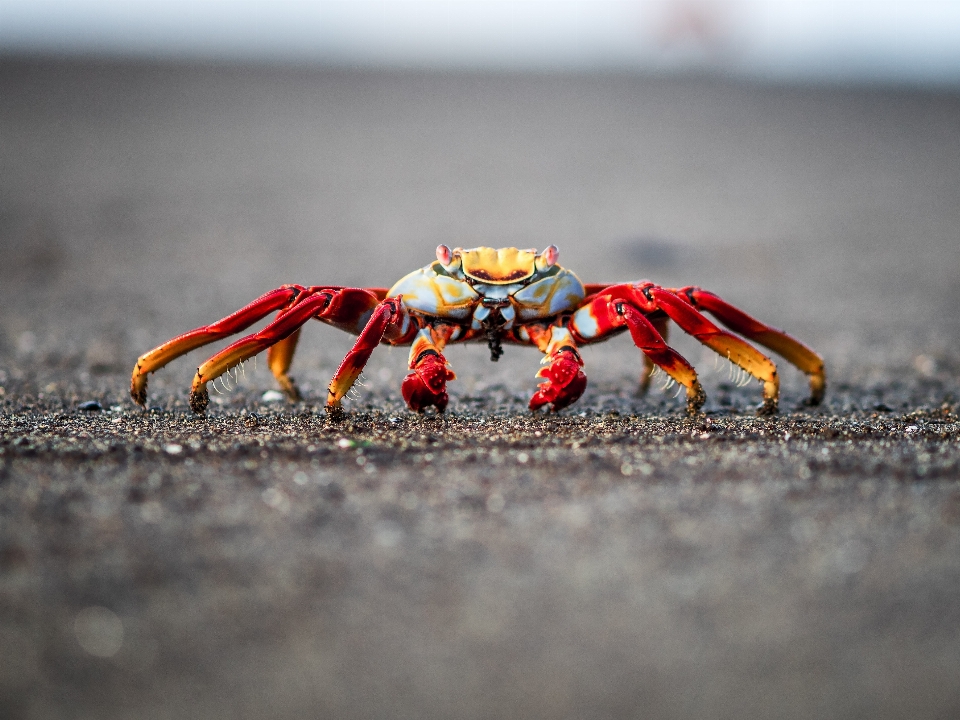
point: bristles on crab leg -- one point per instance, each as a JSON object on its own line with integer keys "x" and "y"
{"x": 650, "y": 368}
{"x": 646, "y": 337}
{"x": 790, "y": 348}
{"x": 158, "y": 357}
{"x": 281, "y": 328}
{"x": 387, "y": 312}
{"x": 739, "y": 351}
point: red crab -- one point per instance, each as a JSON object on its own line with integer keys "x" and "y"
{"x": 494, "y": 296}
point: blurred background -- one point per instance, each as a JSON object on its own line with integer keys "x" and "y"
{"x": 164, "y": 162}
{"x": 846, "y": 39}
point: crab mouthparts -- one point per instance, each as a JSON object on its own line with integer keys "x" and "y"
{"x": 489, "y": 302}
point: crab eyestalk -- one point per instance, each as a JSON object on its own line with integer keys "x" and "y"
{"x": 449, "y": 259}
{"x": 548, "y": 258}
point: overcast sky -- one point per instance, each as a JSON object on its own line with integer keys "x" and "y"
{"x": 878, "y": 39}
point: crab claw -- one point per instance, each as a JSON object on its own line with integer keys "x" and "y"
{"x": 564, "y": 381}
{"x": 427, "y": 384}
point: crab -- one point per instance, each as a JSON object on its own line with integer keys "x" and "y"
{"x": 495, "y": 296}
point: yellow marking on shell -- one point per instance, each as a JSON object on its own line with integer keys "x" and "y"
{"x": 424, "y": 291}
{"x": 552, "y": 295}
{"x": 498, "y": 266}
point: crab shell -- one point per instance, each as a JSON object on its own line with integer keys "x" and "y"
{"x": 465, "y": 286}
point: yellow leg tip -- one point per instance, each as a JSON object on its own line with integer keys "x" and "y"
{"x": 138, "y": 389}
{"x": 290, "y": 388}
{"x": 335, "y": 410}
{"x": 199, "y": 399}
{"x": 818, "y": 388}
{"x": 696, "y": 397}
{"x": 769, "y": 406}
{"x": 771, "y": 397}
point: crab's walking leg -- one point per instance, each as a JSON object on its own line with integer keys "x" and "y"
{"x": 285, "y": 325}
{"x": 661, "y": 325}
{"x": 646, "y": 337}
{"x": 563, "y": 378}
{"x": 386, "y": 313}
{"x": 182, "y": 344}
{"x": 794, "y": 351}
{"x": 427, "y": 384}
{"x": 736, "y": 350}
{"x": 279, "y": 357}
{"x": 605, "y": 315}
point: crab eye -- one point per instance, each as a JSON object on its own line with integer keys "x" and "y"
{"x": 444, "y": 254}
{"x": 548, "y": 258}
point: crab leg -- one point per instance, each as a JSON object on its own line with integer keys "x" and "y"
{"x": 618, "y": 307}
{"x": 388, "y": 313}
{"x": 240, "y": 320}
{"x": 648, "y": 298}
{"x": 285, "y": 325}
{"x": 794, "y": 351}
{"x": 427, "y": 384}
{"x": 662, "y": 326}
{"x": 605, "y": 315}
{"x": 279, "y": 357}
{"x": 646, "y": 337}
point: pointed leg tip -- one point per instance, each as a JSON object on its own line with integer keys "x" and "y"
{"x": 770, "y": 406}
{"x": 696, "y": 397}
{"x": 138, "y": 391}
{"x": 199, "y": 399}
{"x": 818, "y": 388}
{"x": 335, "y": 411}
{"x": 291, "y": 390}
